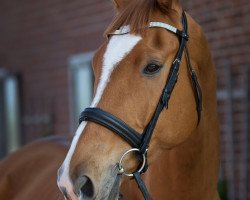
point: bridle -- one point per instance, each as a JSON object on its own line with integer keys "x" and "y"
{"x": 140, "y": 142}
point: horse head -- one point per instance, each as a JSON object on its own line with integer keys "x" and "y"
{"x": 131, "y": 69}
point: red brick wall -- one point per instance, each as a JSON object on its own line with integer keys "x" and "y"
{"x": 36, "y": 40}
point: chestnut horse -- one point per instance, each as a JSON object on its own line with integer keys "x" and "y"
{"x": 131, "y": 69}
{"x": 30, "y": 173}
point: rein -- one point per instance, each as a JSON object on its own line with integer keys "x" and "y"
{"x": 140, "y": 142}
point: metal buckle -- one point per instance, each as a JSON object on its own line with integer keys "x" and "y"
{"x": 121, "y": 169}
{"x": 176, "y": 60}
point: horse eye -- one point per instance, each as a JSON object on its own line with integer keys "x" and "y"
{"x": 152, "y": 68}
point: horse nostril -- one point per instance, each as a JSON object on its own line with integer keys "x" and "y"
{"x": 85, "y": 187}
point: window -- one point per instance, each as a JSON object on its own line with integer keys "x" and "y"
{"x": 9, "y": 113}
{"x": 81, "y": 85}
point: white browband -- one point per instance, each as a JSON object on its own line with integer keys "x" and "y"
{"x": 126, "y": 29}
{"x": 163, "y": 25}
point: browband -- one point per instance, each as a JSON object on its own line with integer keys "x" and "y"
{"x": 126, "y": 29}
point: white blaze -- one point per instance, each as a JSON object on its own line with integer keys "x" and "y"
{"x": 118, "y": 47}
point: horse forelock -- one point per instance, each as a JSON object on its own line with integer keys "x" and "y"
{"x": 137, "y": 15}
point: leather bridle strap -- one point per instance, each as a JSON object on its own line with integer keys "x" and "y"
{"x": 112, "y": 123}
{"x": 142, "y": 186}
{"x": 169, "y": 87}
{"x": 196, "y": 87}
{"x": 132, "y": 137}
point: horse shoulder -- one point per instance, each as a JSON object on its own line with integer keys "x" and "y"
{"x": 31, "y": 171}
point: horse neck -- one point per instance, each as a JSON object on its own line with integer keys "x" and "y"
{"x": 190, "y": 170}
{"x": 191, "y": 166}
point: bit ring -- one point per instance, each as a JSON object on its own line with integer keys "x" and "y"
{"x": 121, "y": 169}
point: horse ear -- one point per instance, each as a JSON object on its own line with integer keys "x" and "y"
{"x": 165, "y": 5}
{"x": 164, "y": 1}
{"x": 119, "y": 4}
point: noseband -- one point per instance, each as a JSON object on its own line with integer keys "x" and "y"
{"x": 140, "y": 142}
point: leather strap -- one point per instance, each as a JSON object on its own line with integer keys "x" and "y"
{"x": 196, "y": 86}
{"x": 142, "y": 186}
{"x": 112, "y": 123}
{"x": 169, "y": 87}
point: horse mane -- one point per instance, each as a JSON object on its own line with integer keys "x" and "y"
{"x": 137, "y": 14}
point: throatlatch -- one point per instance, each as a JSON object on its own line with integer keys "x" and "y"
{"x": 140, "y": 142}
